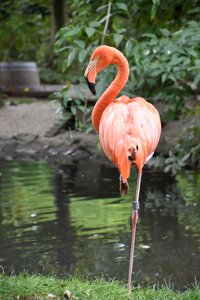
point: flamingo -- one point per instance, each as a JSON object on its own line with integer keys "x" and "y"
{"x": 129, "y": 129}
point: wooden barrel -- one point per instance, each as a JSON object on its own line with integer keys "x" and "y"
{"x": 19, "y": 77}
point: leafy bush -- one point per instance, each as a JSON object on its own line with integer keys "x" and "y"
{"x": 76, "y": 110}
{"x": 187, "y": 152}
{"x": 164, "y": 67}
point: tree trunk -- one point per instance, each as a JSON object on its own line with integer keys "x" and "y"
{"x": 58, "y": 20}
{"x": 59, "y": 16}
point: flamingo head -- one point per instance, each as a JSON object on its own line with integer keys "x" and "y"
{"x": 100, "y": 59}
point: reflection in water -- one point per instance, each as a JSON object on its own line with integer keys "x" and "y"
{"x": 71, "y": 220}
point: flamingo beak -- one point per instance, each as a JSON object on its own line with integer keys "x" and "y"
{"x": 90, "y": 74}
{"x": 91, "y": 85}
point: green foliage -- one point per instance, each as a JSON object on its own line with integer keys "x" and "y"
{"x": 50, "y": 76}
{"x": 27, "y": 286}
{"x": 76, "y": 41}
{"x": 183, "y": 155}
{"x": 24, "y": 30}
{"x": 186, "y": 152}
{"x": 75, "y": 108}
{"x": 165, "y": 66}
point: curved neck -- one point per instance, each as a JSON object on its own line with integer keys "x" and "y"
{"x": 113, "y": 90}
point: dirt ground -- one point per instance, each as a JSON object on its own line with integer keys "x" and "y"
{"x": 34, "y": 118}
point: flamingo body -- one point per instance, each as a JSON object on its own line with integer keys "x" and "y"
{"x": 129, "y": 132}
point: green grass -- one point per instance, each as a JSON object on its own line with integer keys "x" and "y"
{"x": 32, "y": 287}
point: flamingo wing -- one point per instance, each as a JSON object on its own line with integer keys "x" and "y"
{"x": 129, "y": 133}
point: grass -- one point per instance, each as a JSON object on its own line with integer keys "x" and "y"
{"x": 39, "y": 287}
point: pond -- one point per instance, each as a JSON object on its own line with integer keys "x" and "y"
{"x": 70, "y": 219}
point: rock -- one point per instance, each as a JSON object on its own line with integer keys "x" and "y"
{"x": 51, "y": 296}
{"x": 67, "y": 294}
{"x": 26, "y": 138}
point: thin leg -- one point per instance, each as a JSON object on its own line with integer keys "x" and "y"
{"x": 134, "y": 223}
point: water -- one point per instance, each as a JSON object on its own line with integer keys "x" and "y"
{"x": 71, "y": 220}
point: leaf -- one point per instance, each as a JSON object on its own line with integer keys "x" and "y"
{"x": 121, "y": 30}
{"x": 150, "y": 35}
{"x": 153, "y": 11}
{"x": 192, "y": 52}
{"x": 90, "y": 31}
{"x": 193, "y": 10}
{"x": 79, "y": 43}
{"x": 116, "y": 25}
{"x": 88, "y": 110}
{"x": 172, "y": 77}
{"x": 64, "y": 65}
{"x": 102, "y": 7}
{"x": 186, "y": 61}
{"x": 197, "y": 79}
{"x": 175, "y": 60}
{"x": 164, "y": 77}
{"x": 197, "y": 62}
{"x": 77, "y": 102}
{"x": 185, "y": 157}
{"x": 118, "y": 38}
{"x": 156, "y": 72}
{"x": 80, "y": 93}
{"x": 94, "y": 24}
{"x": 73, "y": 110}
{"x": 122, "y": 6}
{"x": 72, "y": 32}
{"x": 82, "y": 55}
{"x": 165, "y": 32}
{"x": 164, "y": 42}
{"x": 71, "y": 57}
{"x": 82, "y": 108}
{"x": 65, "y": 99}
{"x": 128, "y": 48}
{"x": 57, "y": 50}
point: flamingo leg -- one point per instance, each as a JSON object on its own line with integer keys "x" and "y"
{"x": 134, "y": 223}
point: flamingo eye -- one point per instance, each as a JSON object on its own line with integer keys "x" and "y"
{"x": 137, "y": 148}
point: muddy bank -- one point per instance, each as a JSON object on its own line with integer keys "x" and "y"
{"x": 64, "y": 148}
{"x": 24, "y": 134}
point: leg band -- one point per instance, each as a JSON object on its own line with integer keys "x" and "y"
{"x": 135, "y": 205}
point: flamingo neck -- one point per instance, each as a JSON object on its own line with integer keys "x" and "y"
{"x": 113, "y": 90}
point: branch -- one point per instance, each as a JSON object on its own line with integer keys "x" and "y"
{"x": 106, "y": 23}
